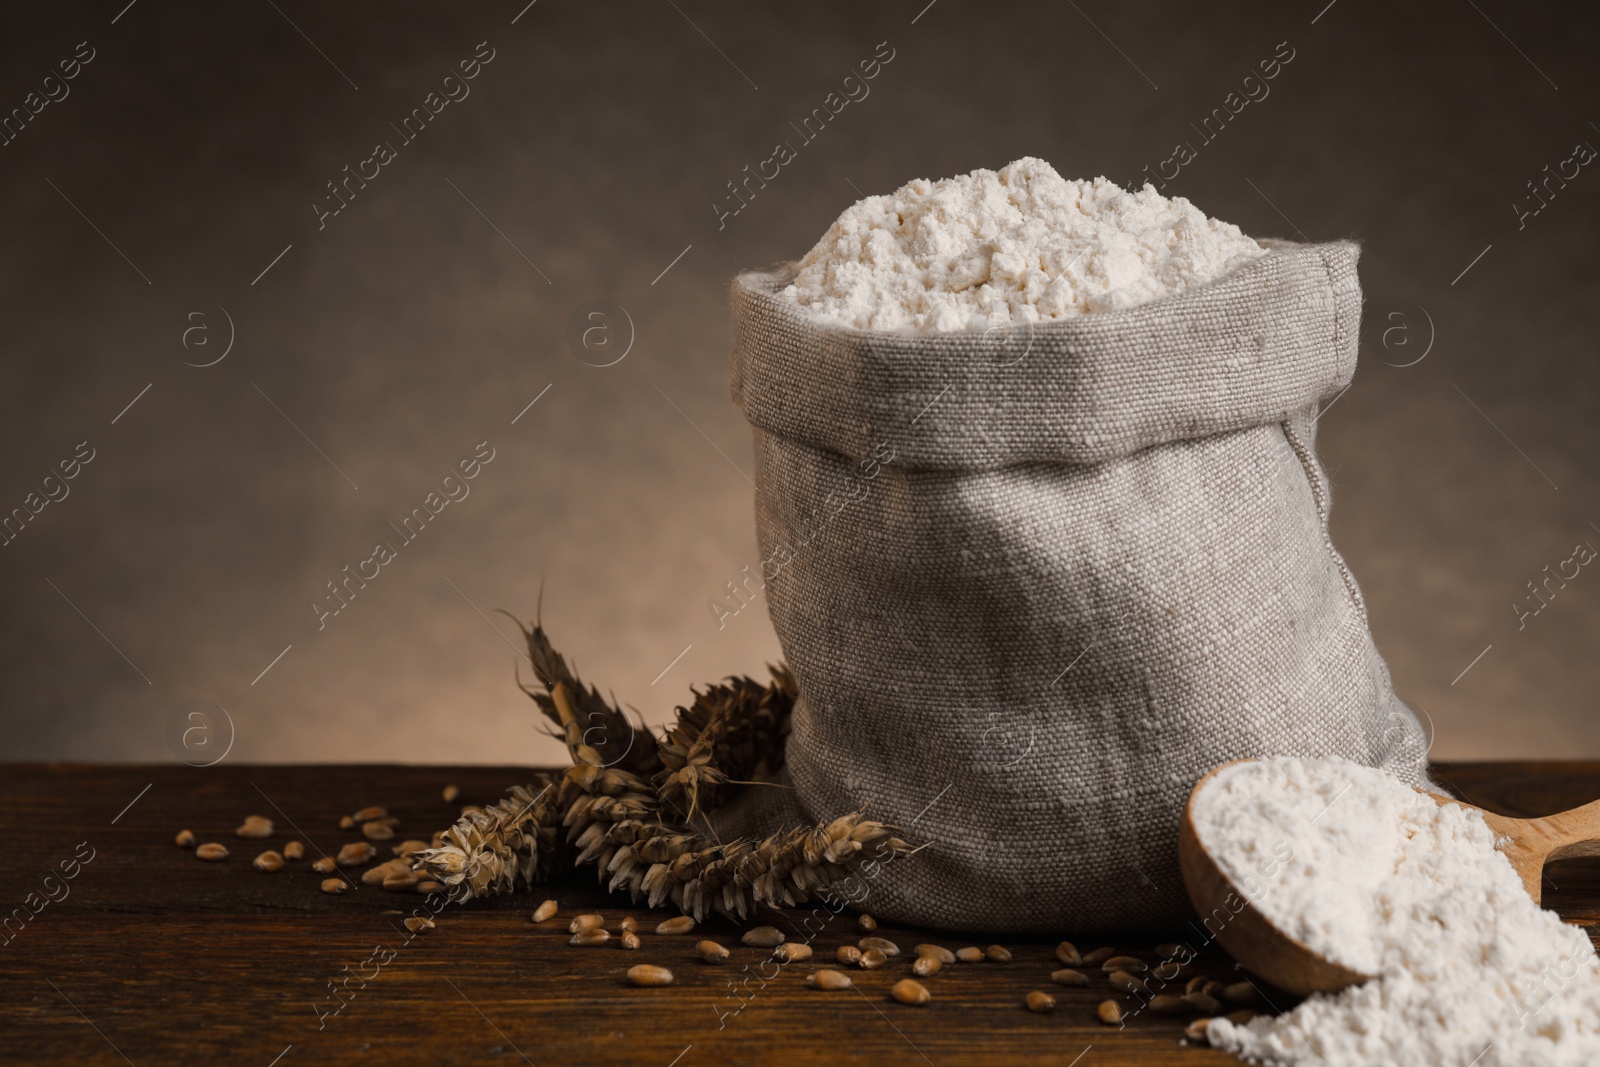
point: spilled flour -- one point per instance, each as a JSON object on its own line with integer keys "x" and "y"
{"x": 1385, "y": 881}
{"x": 1021, "y": 244}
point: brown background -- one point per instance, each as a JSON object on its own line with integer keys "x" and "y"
{"x": 413, "y": 327}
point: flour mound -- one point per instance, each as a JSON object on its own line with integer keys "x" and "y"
{"x": 1021, "y": 244}
{"x": 1470, "y": 971}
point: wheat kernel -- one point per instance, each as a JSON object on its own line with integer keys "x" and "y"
{"x": 409, "y": 847}
{"x": 428, "y": 885}
{"x": 294, "y": 850}
{"x": 647, "y": 975}
{"x": 323, "y": 866}
{"x": 1041, "y": 1002}
{"x": 938, "y": 952}
{"x": 1240, "y": 1017}
{"x": 1167, "y": 1004}
{"x": 211, "y": 850}
{"x": 450, "y": 793}
{"x": 334, "y": 885}
{"x": 369, "y": 813}
{"x": 544, "y": 911}
{"x": 710, "y": 951}
{"x": 1123, "y": 982}
{"x": 793, "y": 951}
{"x": 882, "y": 944}
{"x": 630, "y": 940}
{"x": 401, "y": 881}
{"x": 1069, "y": 955}
{"x": 970, "y": 954}
{"x": 828, "y": 979}
{"x": 1204, "y": 1003}
{"x": 1131, "y": 964}
{"x": 268, "y": 861}
{"x": 1098, "y": 956}
{"x": 1196, "y": 1031}
{"x": 254, "y": 826}
{"x": 1241, "y": 993}
{"x": 872, "y": 959}
{"x": 866, "y": 922}
{"x": 926, "y": 966}
{"x": 418, "y": 923}
{"x": 680, "y": 924}
{"x": 1069, "y": 977}
{"x": 629, "y": 924}
{"x": 346, "y": 823}
{"x": 998, "y": 953}
{"x": 1169, "y": 950}
{"x": 355, "y": 854}
{"x": 763, "y": 937}
{"x": 1109, "y": 1012}
{"x": 185, "y": 839}
{"x": 590, "y": 938}
{"x": 376, "y": 831}
{"x": 910, "y": 991}
{"x": 848, "y": 955}
{"x": 587, "y": 921}
{"x": 1196, "y": 984}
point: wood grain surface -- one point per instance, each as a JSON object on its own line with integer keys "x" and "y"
{"x": 148, "y": 955}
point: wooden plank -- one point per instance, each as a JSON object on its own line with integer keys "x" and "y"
{"x": 155, "y": 957}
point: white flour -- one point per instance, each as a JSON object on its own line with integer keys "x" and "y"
{"x": 1470, "y": 970}
{"x": 1021, "y": 244}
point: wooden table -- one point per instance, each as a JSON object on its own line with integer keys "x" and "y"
{"x": 150, "y": 956}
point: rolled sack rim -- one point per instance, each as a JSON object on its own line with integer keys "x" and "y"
{"x": 1273, "y": 337}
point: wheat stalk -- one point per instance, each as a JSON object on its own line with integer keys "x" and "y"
{"x": 613, "y": 800}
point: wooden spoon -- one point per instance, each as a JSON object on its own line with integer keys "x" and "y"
{"x": 1287, "y": 962}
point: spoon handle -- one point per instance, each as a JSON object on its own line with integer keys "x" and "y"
{"x": 1572, "y": 833}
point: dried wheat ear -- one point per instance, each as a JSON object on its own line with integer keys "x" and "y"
{"x": 626, "y": 805}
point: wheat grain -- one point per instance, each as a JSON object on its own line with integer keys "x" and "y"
{"x": 1069, "y": 955}
{"x": 587, "y": 921}
{"x": 254, "y": 826}
{"x": 679, "y": 924}
{"x": 355, "y": 854}
{"x": 910, "y": 991}
{"x": 324, "y": 865}
{"x": 450, "y": 793}
{"x": 939, "y": 952}
{"x": 419, "y": 923}
{"x": 1122, "y": 963}
{"x": 926, "y": 966}
{"x": 998, "y": 954}
{"x": 268, "y": 861}
{"x": 828, "y": 979}
{"x": 970, "y": 954}
{"x": 590, "y": 938}
{"x": 1196, "y": 1031}
{"x": 185, "y": 839}
{"x": 1041, "y": 1002}
{"x": 792, "y": 951}
{"x": 866, "y": 922}
{"x": 710, "y": 951}
{"x": 882, "y": 944}
{"x": 647, "y": 975}
{"x": 294, "y": 850}
{"x": 1067, "y": 976}
{"x": 1098, "y": 956}
{"x": 1109, "y": 1012}
{"x": 1244, "y": 993}
{"x": 848, "y": 955}
{"x": 211, "y": 850}
{"x": 544, "y": 911}
{"x": 334, "y": 885}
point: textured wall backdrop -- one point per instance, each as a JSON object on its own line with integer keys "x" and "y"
{"x": 252, "y": 374}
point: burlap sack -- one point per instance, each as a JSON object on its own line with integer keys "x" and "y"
{"x": 1034, "y": 583}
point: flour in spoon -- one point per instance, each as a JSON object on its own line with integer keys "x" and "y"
{"x": 1021, "y": 244}
{"x": 1470, "y": 971}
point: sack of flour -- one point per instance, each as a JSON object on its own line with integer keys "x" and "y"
{"x": 1035, "y": 581}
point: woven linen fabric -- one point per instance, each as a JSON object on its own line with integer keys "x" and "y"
{"x": 1034, "y": 583}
